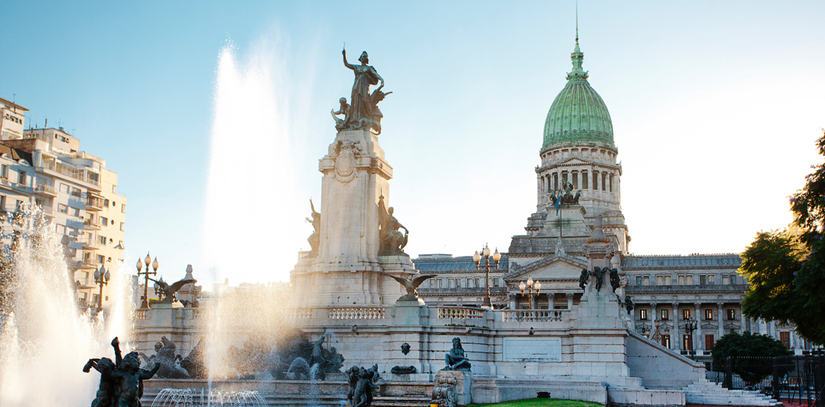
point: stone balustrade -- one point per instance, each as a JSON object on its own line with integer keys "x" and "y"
{"x": 459, "y": 313}
{"x": 141, "y": 313}
{"x": 357, "y": 313}
{"x": 534, "y": 315}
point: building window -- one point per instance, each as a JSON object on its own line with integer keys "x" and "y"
{"x": 64, "y": 188}
{"x": 643, "y": 314}
{"x": 75, "y": 212}
{"x": 687, "y": 342}
{"x": 659, "y": 280}
{"x": 575, "y": 180}
{"x": 667, "y": 280}
{"x": 709, "y": 314}
{"x": 100, "y": 259}
{"x": 725, "y": 280}
{"x": 733, "y": 279}
{"x": 638, "y": 280}
{"x": 4, "y": 171}
{"x": 22, "y": 178}
{"x": 106, "y": 203}
{"x": 450, "y": 283}
{"x": 477, "y": 284}
{"x": 647, "y": 280}
{"x": 104, "y": 221}
{"x": 666, "y": 341}
{"x": 702, "y": 280}
{"x": 495, "y": 282}
{"x": 681, "y": 280}
{"x": 584, "y": 180}
{"x": 731, "y": 314}
{"x": 122, "y": 226}
{"x": 458, "y": 283}
{"x": 689, "y": 280}
{"x": 665, "y": 314}
{"x": 123, "y": 208}
{"x": 711, "y": 279}
{"x": 709, "y": 341}
{"x": 686, "y": 313}
{"x": 62, "y": 208}
{"x": 785, "y": 337}
{"x": 439, "y": 283}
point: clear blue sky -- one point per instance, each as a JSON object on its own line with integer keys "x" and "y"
{"x": 715, "y": 108}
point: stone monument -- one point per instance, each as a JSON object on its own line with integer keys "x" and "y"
{"x": 357, "y": 237}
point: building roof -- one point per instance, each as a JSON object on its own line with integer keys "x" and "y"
{"x": 15, "y": 153}
{"x": 441, "y": 264}
{"x": 693, "y": 260}
{"x": 578, "y": 115}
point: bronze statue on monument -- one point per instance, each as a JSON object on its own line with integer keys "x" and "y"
{"x": 362, "y": 112}
{"x": 392, "y": 241}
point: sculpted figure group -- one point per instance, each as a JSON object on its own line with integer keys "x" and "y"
{"x": 392, "y": 241}
{"x": 598, "y": 274}
{"x": 121, "y": 382}
{"x": 362, "y": 110}
{"x": 361, "y": 384}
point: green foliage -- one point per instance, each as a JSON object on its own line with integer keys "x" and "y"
{"x": 540, "y": 403}
{"x": 747, "y": 345}
{"x": 785, "y": 268}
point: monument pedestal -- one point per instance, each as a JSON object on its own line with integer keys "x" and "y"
{"x": 346, "y": 269}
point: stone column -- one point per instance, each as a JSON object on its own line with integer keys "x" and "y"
{"x": 675, "y": 338}
{"x": 720, "y": 321}
{"x": 742, "y": 321}
{"x": 698, "y": 338}
{"x": 570, "y": 300}
{"x": 513, "y": 304}
{"x": 653, "y": 319}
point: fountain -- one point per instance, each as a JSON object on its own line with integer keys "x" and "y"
{"x": 194, "y": 398}
{"x": 45, "y": 339}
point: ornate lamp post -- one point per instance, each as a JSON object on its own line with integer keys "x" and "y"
{"x": 487, "y": 303}
{"x": 101, "y": 278}
{"x": 529, "y": 287}
{"x": 690, "y": 326}
{"x": 139, "y": 265}
{"x": 158, "y": 291}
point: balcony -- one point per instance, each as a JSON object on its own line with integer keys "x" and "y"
{"x": 91, "y": 178}
{"x": 87, "y": 264}
{"x": 91, "y": 224}
{"x": 89, "y": 244}
{"x": 45, "y": 190}
{"x": 94, "y": 203}
{"x": 48, "y": 211}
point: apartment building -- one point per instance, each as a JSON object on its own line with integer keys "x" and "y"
{"x": 75, "y": 191}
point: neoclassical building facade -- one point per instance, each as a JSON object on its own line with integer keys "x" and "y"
{"x": 578, "y": 186}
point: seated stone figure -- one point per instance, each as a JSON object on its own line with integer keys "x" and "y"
{"x": 456, "y": 359}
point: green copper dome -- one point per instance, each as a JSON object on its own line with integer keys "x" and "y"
{"x": 578, "y": 116}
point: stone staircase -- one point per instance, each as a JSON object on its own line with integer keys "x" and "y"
{"x": 709, "y": 393}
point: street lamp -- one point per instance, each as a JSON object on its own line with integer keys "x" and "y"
{"x": 101, "y": 278}
{"x": 690, "y": 326}
{"x": 486, "y": 303}
{"x": 530, "y": 289}
{"x": 139, "y": 265}
{"x": 158, "y": 290}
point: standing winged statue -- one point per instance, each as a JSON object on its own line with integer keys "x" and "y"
{"x": 170, "y": 290}
{"x": 410, "y": 285}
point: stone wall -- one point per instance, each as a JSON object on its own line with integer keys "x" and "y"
{"x": 659, "y": 367}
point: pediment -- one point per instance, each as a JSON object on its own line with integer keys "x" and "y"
{"x": 551, "y": 268}
{"x": 575, "y": 161}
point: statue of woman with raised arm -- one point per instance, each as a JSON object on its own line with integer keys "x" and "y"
{"x": 361, "y": 104}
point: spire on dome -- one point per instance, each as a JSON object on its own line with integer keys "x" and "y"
{"x": 577, "y": 56}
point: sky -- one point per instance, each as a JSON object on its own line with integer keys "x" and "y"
{"x": 215, "y": 114}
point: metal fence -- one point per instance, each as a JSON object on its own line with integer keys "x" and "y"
{"x": 795, "y": 379}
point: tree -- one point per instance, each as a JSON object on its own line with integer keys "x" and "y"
{"x": 786, "y": 268}
{"x": 747, "y": 345}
